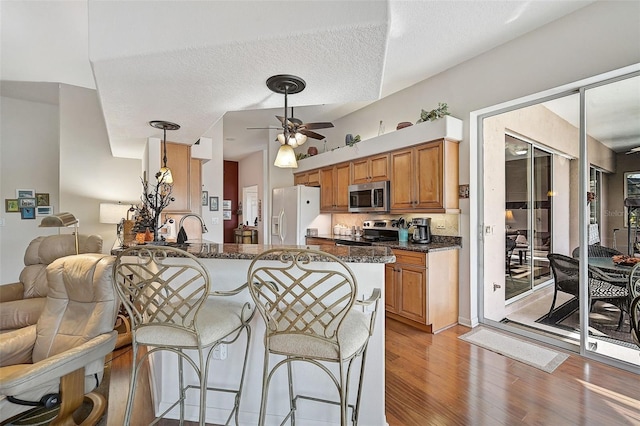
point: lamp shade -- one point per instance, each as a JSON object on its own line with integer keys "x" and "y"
{"x": 113, "y": 212}
{"x": 59, "y": 220}
{"x": 286, "y": 157}
{"x": 165, "y": 175}
{"x": 508, "y": 216}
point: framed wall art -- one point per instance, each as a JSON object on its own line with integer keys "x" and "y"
{"x": 27, "y": 202}
{"x": 44, "y": 210}
{"x": 205, "y": 198}
{"x": 42, "y": 199}
{"x": 213, "y": 204}
{"x": 25, "y": 193}
{"x": 226, "y": 214}
{"x": 226, "y": 205}
{"x": 11, "y": 205}
{"x": 28, "y": 213}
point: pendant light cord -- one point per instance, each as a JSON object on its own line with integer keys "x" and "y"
{"x": 164, "y": 148}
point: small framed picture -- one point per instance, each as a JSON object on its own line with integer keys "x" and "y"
{"x": 25, "y": 193}
{"x": 205, "y": 197}
{"x": 213, "y": 204}
{"x": 11, "y": 205}
{"x": 27, "y": 202}
{"x": 28, "y": 213}
{"x": 226, "y": 214}
{"x": 226, "y": 205}
{"x": 42, "y": 199}
{"x": 44, "y": 210}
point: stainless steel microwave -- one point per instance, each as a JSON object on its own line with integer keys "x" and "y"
{"x": 369, "y": 197}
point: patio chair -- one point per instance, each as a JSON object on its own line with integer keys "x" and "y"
{"x": 603, "y": 287}
{"x": 596, "y": 250}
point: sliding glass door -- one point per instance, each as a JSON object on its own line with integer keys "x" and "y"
{"x": 556, "y": 178}
{"x": 528, "y": 216}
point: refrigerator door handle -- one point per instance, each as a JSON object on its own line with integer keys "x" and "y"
{"x": 283, "y": 226}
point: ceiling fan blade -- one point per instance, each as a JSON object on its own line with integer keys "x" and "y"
{"x": 282, "y": 120}
{"x": 310, "y": 134}
{"x": 321, "y": 125}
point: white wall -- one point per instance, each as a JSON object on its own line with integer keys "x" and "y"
{"x": 29, "y": 153}
{"x": 212, "y": 181}
{"x": 89, "y": 174}
{"x": 564, "y": 51}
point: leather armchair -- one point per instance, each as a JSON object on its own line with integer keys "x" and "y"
{"x": 64, "y": 352}
{"x": 21, "y": 303}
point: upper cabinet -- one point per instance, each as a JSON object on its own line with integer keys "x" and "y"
{"x": 310, "y": 178}
{"x": 334, "y": 188}
{"x": 425, "y": 178}
{"x": 421, "y": 163}
{"x": 186, "y": 179}
{"x": 370, "y": 169}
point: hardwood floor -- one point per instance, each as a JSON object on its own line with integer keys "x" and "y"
{"x": 442, "y": 380}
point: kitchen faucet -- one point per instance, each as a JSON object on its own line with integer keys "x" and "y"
{"x": 182, "y": 235}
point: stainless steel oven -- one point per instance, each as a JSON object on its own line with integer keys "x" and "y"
{"x": 369, "y": 197}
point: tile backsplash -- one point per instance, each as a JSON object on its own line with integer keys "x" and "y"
{"x": 441, "y": 224}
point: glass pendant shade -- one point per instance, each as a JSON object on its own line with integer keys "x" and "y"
{"x": 286, "y": 158}
{"x": 300, "y": 138}
{"x": 281, "y": 138}
{"x": 165, "y": 175}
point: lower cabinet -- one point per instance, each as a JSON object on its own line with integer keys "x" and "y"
{"x": 319, "y": 242}
{"x": 422, "y": 289}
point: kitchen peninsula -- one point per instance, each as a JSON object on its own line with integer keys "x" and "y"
{"x": 227, "y": 265}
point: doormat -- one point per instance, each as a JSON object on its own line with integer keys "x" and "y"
{"x": 514, "y": 348}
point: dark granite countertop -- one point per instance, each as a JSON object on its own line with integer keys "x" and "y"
{"x": 438, "y": 243}
{"x": 209, "y": 250}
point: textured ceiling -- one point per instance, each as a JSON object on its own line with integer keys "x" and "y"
{"x": 191, "y": 62}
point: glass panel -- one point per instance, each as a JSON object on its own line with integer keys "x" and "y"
{"x": 518, "y": 217}
{"x": 613, "y": 133}
{"x": 542, "y": 216}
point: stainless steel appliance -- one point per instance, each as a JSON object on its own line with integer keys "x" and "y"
{"x": 421, "y": 230}
{"x": 372, "y": 231}
{"x": 369, "y": 197}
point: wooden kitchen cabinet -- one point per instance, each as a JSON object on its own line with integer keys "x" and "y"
{"x": 311, "y": 241}
{"x": 425, "y": 177}
{"x": 334, "y": 188}
{"x": 310, "y": 178}
{"x": 179, "y": 161}
{"x": 422, "y": 289}
{"x": 370, "y": 169}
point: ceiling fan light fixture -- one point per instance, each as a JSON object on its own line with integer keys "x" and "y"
{"x": 286, "y": 158}
{"x": 300, "y": 138}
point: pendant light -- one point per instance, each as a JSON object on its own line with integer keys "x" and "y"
{"x": 165, "y": 172}
{"x": 287, "y": 84}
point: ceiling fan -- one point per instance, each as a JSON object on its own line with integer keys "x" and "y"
{"x": 633, "y": 150}
{"x": 297, "y": 130}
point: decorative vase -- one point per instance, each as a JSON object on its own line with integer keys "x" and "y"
{"x": 312, "y": 150}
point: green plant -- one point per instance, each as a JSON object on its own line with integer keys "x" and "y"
{"x": 434, "y": 114}
{"x": 355, "y": 140}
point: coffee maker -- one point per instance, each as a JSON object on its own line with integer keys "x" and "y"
{"x": 421, "y": 230}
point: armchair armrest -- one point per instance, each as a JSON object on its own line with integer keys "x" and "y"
{"x": 16, "y": 346}
{"x": 10, "y": 292}
{"x": 14, "y": 380}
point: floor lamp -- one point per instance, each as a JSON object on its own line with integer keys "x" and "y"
{"x": 61, "y": 220}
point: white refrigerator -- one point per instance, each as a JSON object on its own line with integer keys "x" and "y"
{"x": 293, "y": 210}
